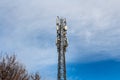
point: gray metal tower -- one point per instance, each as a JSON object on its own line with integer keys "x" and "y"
{"x": 61, "y": 43}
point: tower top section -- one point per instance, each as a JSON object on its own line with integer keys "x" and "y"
{"x": 60, "y": 21}
{"x": 61, "y": 27}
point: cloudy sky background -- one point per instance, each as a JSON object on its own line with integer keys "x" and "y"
{"x": 28, "y": 29}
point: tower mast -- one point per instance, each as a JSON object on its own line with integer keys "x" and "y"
{"x": 61, "y": 44}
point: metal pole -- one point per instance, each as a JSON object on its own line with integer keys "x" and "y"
{"x": 61, "y": 43}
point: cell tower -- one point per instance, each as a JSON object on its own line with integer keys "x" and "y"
{"x": 61, "y": 44}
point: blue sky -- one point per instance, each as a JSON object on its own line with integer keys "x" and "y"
{"x": 27, "y": 28}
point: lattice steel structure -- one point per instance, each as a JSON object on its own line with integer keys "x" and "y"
{"x": 61, "y": 43}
